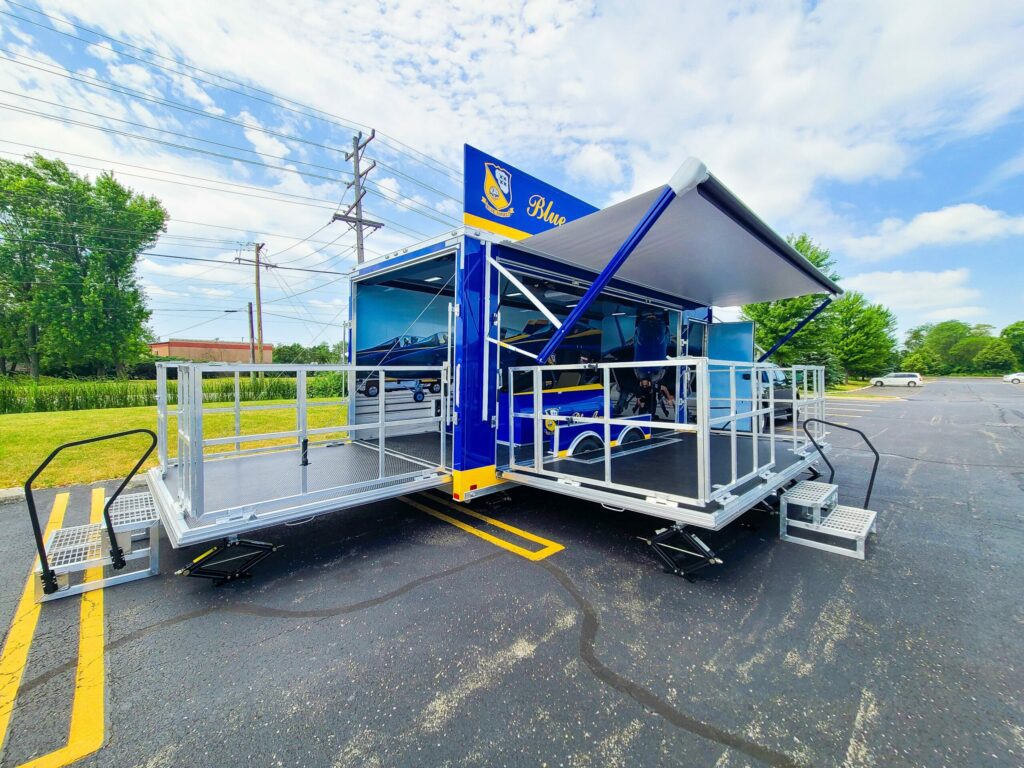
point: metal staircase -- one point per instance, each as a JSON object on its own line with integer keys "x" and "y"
{"x": 129, "y": 531}
{"x": 810, "y": 512}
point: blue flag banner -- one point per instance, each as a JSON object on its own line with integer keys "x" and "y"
{"x": 499, "y": 198}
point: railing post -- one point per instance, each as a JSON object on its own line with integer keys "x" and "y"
{"x": 755, "y": 423}
{"x": 196, "y": 492}
{"x": 732, "y": 422}
{"x": 301, "y": 426}
{"x": 184, "y": 457}
{"x": 771, "y": 423}
{"x": 381, "y": 399}
{"x": 703, "y": 413}
{"x": 161, "y": 416}
{"x": 538, "y": 422}
{"x": 442, "y": 422}
{"x": 238, "y": 411}
{"x": 608, "y": 427}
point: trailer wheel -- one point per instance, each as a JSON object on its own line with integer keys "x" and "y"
{"x": 588, "y": 444}
{"x": 632, "y": 435}
{"x": 418, "y": 396}
{"x": 435, "y": 388}
{"x": 372, "y": 390}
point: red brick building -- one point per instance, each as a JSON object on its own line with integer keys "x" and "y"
{"x": 209, "y": 351}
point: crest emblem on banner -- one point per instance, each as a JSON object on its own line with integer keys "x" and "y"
{"x": 497, "y": 197}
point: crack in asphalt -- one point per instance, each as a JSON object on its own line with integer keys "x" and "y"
{"x": 646, "y": 698}
{"x": 253, "y": 609}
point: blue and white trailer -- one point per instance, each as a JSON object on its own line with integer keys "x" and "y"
{"x": 539, "y": 376}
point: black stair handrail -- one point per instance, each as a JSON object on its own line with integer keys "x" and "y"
{"x": 116, "y": 554}
{"x": 832, "y": 470}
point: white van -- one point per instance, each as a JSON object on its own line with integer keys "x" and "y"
{"x": 898, "y": 380}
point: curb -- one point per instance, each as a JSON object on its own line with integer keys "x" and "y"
{"x": 7, "y": 494}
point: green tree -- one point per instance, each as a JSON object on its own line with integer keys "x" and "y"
{"x": 774, "y": 319}
{"x": 863, "y": 335}
{"x": 996, "y": 357}
{"x": 296, "y": 354}
{"x": 961, "y": 358}
{"x": 942, "y": 338}
{"x": 69, "y": 293}
{"x": 916, "y": 337}
{"x": 1013, "y": 334}
{"x": 922, "y": 361}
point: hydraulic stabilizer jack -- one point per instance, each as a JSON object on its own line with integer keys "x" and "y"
{"x": 681, "y": 552}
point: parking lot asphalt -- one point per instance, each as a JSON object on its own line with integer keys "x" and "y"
{"x": 386, "y": 636}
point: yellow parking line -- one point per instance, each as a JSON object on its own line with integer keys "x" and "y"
{"x": 23, "y": 628}
{"x": 87, "y": 732}
{"x": 549, "y": 547}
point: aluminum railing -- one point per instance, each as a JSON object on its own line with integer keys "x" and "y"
{"x": 194, "y": 448}
{"x": 711, "y": 401}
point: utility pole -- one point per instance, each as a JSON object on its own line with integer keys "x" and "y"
{"x": 259, "y": 303}
{"x": 358, "y": 177}
{"x": 252, "y": 338}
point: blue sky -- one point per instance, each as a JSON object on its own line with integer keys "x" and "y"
{"x": 892, "y": 133}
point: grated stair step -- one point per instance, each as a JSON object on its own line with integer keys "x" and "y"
{"x": 133, "y": 511}
{"x": 810, "y": 493}
{"x": 80, "y": 547}
{"x": 849, "y": 524}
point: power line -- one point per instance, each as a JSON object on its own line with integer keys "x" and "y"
{"x": 451, "y": 221}
{"x": 173, "y": 256}
{"x": 123, "y": 90}
{"x": 275, "y": 101}
{"x": 285, "y": 158}
{"x": 200, "y": 150}
{"x": 387, "y": 193}
{"x": 96, "y": 82}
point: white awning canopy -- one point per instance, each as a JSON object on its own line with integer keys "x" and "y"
{"x": 707, "y": 246}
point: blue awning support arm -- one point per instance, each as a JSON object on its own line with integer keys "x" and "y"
{"x": 796, "y": 329}
{"x": 691, "y": 173}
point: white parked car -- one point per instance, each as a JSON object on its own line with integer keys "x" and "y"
{"x": 1014, "y": 378}
{"x": 898, "y": 380}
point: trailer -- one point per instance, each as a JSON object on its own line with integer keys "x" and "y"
{"x": 546, "y": 344}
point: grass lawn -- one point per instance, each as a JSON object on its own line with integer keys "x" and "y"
{"x": 27, "y": 438}
{"x": 848, "y": 386}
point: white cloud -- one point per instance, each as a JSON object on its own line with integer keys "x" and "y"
{"x": 263, "y": 142}
{"x": 844, "y": 92}
{"x": 595, "y": 164}
{"x": 1009, "y": 169}
{"x": 916, "y": 291}
{"x": 103, "y": 51}
{"x": 953, "y": 225}
{"x": 131, "y": 76}
{"x": 837, "y": 91}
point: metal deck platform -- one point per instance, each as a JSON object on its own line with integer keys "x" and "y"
{"x": 257, "y": 491}
{"x": 341, "y": 452}
{"x": 668, "y": 466}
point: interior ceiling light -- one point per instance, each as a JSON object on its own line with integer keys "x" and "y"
{"x": 516, "y": 293}
{"x": 618, "y": 314}
{"x": 433, "y": 279}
